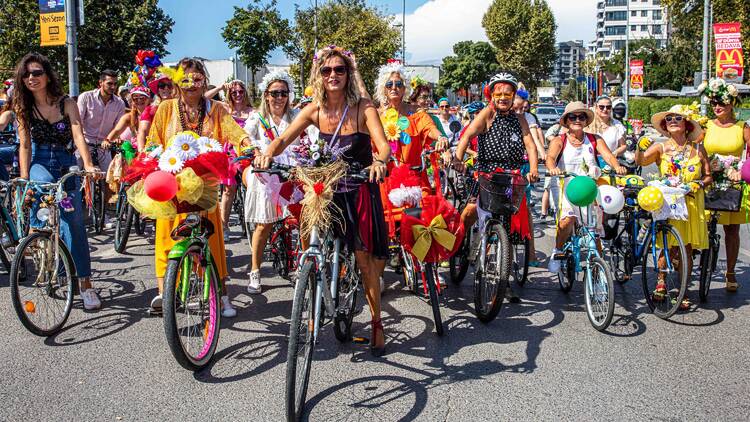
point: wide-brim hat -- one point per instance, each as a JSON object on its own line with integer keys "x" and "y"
{"x": 576, "y": 107}
{"x": 153, "y": 84}
{"x": 694, "y": 130}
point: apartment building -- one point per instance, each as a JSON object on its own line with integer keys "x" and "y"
{"x": 638, "y": 18}
{"x": 569, "y": 56}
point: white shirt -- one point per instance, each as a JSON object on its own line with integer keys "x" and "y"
{"x": 260, "y": 139}
{"x": 613, "y": 134}
{"x": 446, "y": 124}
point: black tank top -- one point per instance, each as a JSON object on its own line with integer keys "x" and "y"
{"x": 58, "y": 133}
{"x": 359, "y": 151}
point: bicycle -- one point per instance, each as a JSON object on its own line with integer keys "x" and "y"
{"x": 95, "y": 190}
{"x": 598, "y": 283}
{"x": 283, "y": 247}
{"x": 192, "y": 291}
{"x": 709, "y": 257}
{"x": 327, "y": 286}
{"x": 10, "y": 231}
{"x": 632, "y": 246}
{"x": 43, "y": 274}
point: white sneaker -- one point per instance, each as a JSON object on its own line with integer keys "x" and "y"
{"x": 156, "y": 303}
{"x": 108, "y": 224}
{"x": 226, "y": 234}
{"x": 382, "y": 285}
{"x": 90, "y": 299}
{"x": 554, "y": 264}
{"x": 253, "y": 287}
{"x": 227, "y": 311}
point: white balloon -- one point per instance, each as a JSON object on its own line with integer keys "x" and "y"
{"x": 610, "y": 199}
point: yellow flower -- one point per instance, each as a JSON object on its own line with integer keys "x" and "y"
{"x": 390, "y": 115}
{"x": 392, "y": 131}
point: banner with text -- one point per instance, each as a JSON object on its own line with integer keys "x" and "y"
{"x": 52, "y": 20}
{"x": 729, "y": 61}
{"x": 636, "y": 77}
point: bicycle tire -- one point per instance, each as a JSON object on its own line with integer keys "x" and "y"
{"x": 410, "y": 273}
{"x": 5, "y": 256}
{"x": 280, "y": 254}
{"x": 99, "y": 205}
{"x": 520, "y": 270}
{"x": 123, "y": 224}
{"x": 598, "y": 267}
{"x": 567, "y": 277}
{"x": 430, "y": 271}
{"x": 502, "y": 258}
{"x": 19, "y": 273}
{"x": 296, "y": 383}
{"x": 349, "y": 279}
{"x": 458, "y": 263}
{"x": 708, "y": 267}
{"x": 139, "y": 224}
{"x": 674, "y": 302}
{"x": 208, "y": 330}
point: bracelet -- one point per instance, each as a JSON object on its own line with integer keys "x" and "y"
{"x": 380, "y": 161}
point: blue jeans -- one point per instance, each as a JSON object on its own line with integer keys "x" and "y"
{"x": 48, "y": 164}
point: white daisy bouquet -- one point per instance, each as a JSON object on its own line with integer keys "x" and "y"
{"x": 183, "y": 177}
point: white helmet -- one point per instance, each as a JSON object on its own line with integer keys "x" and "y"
{"x": 504, "y": 78}
{"x": 619, "y": 103}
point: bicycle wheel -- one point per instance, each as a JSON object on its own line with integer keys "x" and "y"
{"x": 192, "y": 312}
{"x": 567, "y": 275}
{"x": 672, "y": 279}
{"x": 430, "y": 272}
{"x": 709, "y": 258}
{"x": 600, "y": 294}
{"x": 238, "y": 206}
{"x": 346, "y": 299}
{"x": 459, "y": 262}
{"x": 520, "y": 268}
{"x": 42, "y": 295}
{"x": 411, "y": 276}
{"x": 491, "y": 281}
{"x": 6, "y": 242}
{"x": 123, "y": 223}
{"x": 279, "y": 253}
{"x": 620, "y": 258}
{"x": 99, "y": 206}
{"x": 301, "y": 342}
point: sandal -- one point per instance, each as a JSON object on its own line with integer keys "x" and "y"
{"x": 377, "y": 324}
{"x": 731, "y": 285}
{"x": 660, "y": 291}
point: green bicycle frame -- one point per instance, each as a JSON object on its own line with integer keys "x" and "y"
{"x": 178, "y": 251}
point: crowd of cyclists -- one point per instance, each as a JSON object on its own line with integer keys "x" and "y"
{"x": 456, "y": 153}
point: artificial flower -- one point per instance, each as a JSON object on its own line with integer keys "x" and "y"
{"x": 156, "y": 151}
{"x": 314, "y": 147}
{"x": 390, "y": 114}
{"x": 185, "y": 146}
{"x": 392, "y": 131}
{"x": 316, "y": 156}
{"x": 732, "y": 90}
{"x": 206, "y": 144}
{"x": 171, "y": 161}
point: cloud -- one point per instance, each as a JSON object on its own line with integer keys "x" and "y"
{"x": 433, "y": 28}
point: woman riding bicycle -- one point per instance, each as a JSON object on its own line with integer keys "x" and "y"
{"x": 575, "y": 152}
{"x": 338, "y": 103}
{"x": 273, "y": 117}
{"x": 162, "y": 87}
{"x": 49, "y": 132}
{"x": 682, "y": 159}
{"x": 126, "y": 128}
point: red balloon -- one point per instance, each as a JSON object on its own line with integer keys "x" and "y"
{"x": 160, "y": 186}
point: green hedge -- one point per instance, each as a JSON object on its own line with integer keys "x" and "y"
{"x": 644, "y": 108}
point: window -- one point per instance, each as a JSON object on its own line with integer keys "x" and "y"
{"x": 617, "y": 16}
{"x": 617, "y": 2}
{"x": 657, "y": 15}
{"x": 644, "y": 13}
{"x": 657, "y": 2}
{"x": 633, "y": 13}
{"x": 615, "y": 30}
{"x": 633, "y": 28}
{"x": 644, "y": 28}
{"x": 618, "y": 44}
{"x": 657, "y": 29}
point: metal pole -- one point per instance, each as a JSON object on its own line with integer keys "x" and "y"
{"x": 403, "y": 33}
{"x": 72, "y": 42}
{"x": 704, "y": 64}
{"x": 626, "y": 82}
{"x": 315, "y": 28}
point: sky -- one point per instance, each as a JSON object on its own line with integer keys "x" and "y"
{"x": 432, "y": 26}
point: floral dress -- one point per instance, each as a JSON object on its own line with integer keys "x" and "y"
{"x": 693, "y": 230}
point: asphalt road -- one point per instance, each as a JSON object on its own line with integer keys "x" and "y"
{"x": 540, "y": 360}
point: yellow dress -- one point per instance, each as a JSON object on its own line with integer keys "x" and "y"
{"x": 727, "y": 141}
{"x": 219, "y": 125}
{"x": 693, "y": 231}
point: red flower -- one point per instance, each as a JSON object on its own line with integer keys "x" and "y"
{"x": 319, "y": 188}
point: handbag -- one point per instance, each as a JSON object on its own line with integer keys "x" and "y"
{"x": 724, "y": 200}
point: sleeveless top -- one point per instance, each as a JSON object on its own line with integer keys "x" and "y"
{"x": 724, "y": 140}
{"x": 502, "y": 146}
{"x": 572, "y": 158}
{"x": 359, "y": 151}
{"x": 44, "y": 132}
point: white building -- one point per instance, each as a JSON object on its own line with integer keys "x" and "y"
{"x": 569, "y": 56}
{"x": 640, "y": 18}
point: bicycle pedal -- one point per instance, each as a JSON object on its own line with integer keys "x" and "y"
{"x": 559, "y": 256}
{"x": 360, "y": 340}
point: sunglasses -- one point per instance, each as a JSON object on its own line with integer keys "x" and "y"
{"x": 163, "y": 85}
{"x": 278, "y": 94}
{"x": 398, "y": 84}
{"x": 35, "y": 73}
{"x": 444, "y": 106}
{"x": 423, "y": 97}
{"x": 237, "y": 93}
{"x": 715, "y": 103}
{"x": 577, "y": 117}
{"x": 676, "y": 119}
{"x": 326, "y": 70}
{"x": 501, "y": 96}
{"x": 605, "y": 107}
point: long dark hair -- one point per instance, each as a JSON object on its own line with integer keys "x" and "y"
{"x": 23, "y": 99}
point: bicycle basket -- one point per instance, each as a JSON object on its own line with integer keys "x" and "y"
{"x": 501, "y": 193}
{"x": 724, "y": 200}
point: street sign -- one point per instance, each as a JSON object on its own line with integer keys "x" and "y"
{"x": 636, "y": 77}
{"x": 52, "y": 22}
{"x": 729, "y": 61}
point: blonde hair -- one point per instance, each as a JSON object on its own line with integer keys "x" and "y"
{"x": 351, "y": 93}
{"x": 265, "y": 110}
{"x": 384, "y": 74}
{"x": 246, "y": 98}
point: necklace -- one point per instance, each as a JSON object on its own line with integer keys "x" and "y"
{"x": 187, "y": 123}
{"x": 679, "y": 154}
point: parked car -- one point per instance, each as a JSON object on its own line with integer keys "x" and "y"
{"x": 547, "y": 116}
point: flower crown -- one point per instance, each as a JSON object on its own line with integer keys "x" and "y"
{"x": 277, "y": 75}
{"x": 418, "y": 81}
{"x": 331, "y": 47}
{"x": 718, "y": 88}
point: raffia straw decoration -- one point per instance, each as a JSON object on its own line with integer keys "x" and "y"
{"x": 318, "y": 184}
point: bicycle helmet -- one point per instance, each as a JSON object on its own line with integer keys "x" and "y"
{"x": 503, "y": 78}
{"x": 475, "y": 107}
{"x": 619, "y": 108}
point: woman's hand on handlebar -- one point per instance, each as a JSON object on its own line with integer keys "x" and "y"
{"x": 441, "y": 144}
{"x": 262, "y": 161}
{"x": 377, "y": 171}
{"x": 621, "y": 170}
{"x": 533, "y": 175}
{"x": 459, "y": 165}
{"x": 555, "y": 172}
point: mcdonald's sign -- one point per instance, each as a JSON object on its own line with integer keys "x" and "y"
{"x": 730, "y": 64}
{"x": 636, "y": 77}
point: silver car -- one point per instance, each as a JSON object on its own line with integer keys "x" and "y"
{"x": 547, "y": 116}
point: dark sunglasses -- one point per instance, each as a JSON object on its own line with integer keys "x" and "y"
{"x": 578, "y": 117}
{"x": 326, "y": 70}
{"x": 445, "y": 106}
{"x": 390, "y": 84}
{"x": 163, "y": 85}
{"x": 676, "y": 118}
{"x": 715, "y": 103}
{"x": 605, "y": 107}
{"x": 237, "y": 93}
{"x": 278, "y": 94}
{"x": 35, "y": 73}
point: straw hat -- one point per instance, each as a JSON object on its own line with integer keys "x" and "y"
{"x": 694, "y": 130}
{"x": 576, "y": 107}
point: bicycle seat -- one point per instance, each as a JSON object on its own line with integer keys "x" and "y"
{"x": 415, "y": 212}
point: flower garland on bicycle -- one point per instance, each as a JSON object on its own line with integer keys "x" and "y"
{"x": 575, "y": 152}
{"x": 348, "y": 121}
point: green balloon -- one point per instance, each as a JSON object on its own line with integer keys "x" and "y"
{"x": 581, "y": 191}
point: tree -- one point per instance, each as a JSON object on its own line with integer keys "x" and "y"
{"x": 523, "y": 34}
{"x": 113, "y": 33}
{"x": 254, "y": 32}
{"x": 472, "y": 63}
{"x": 350, "y": 24}
{"x": 570, "y": 92}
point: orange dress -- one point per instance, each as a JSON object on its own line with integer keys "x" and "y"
{"x": 218, "y": 124}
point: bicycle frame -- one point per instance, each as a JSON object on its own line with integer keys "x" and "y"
{"x": 197, "y": 236}
{"x": 638, "y": 249}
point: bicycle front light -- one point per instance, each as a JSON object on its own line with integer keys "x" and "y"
{"x": 42, "y": 214}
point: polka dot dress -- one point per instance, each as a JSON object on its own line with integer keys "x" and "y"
{"x": 502, "y": 146}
